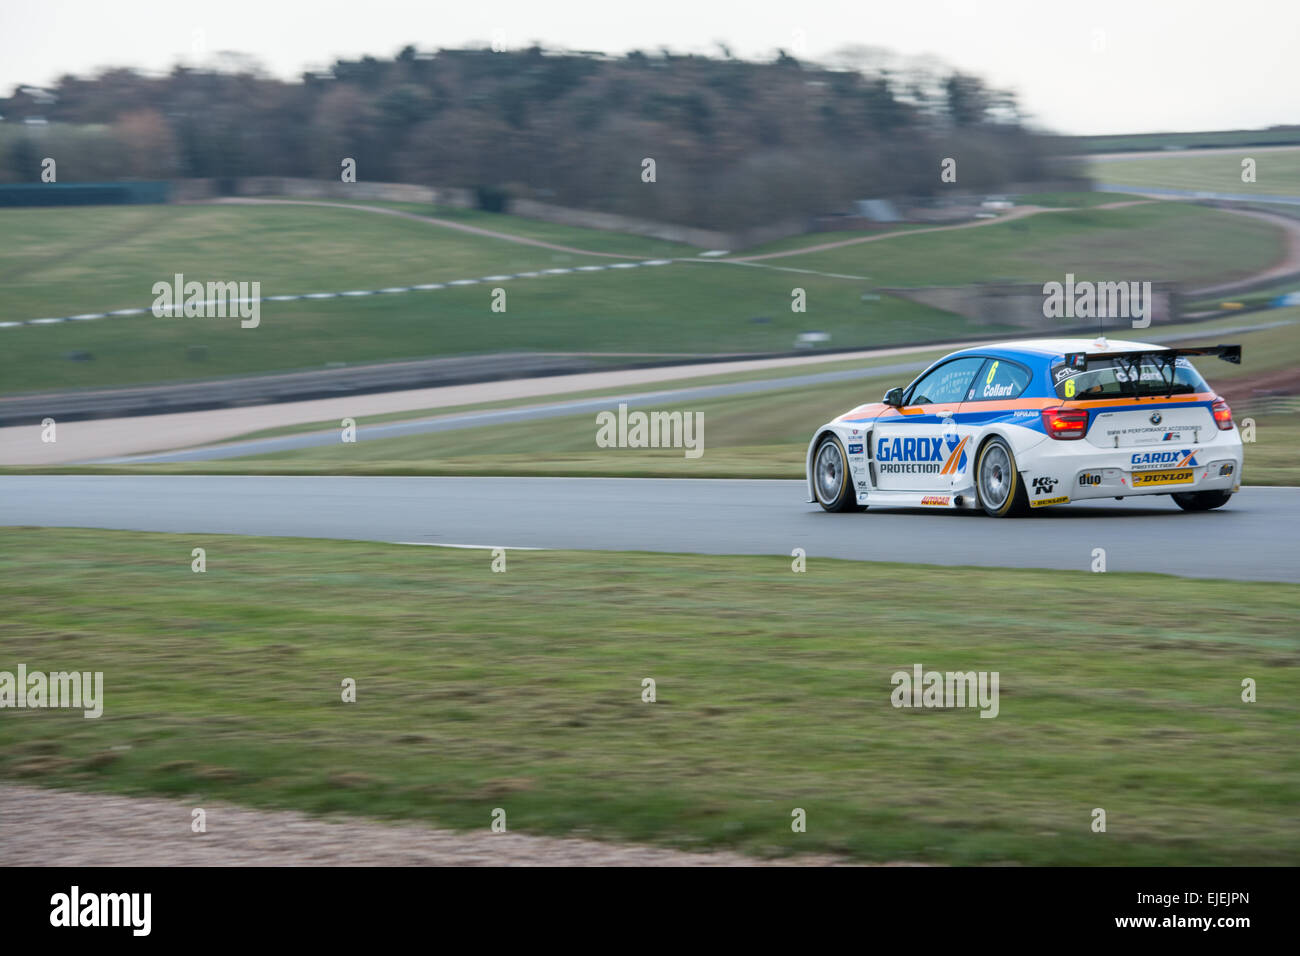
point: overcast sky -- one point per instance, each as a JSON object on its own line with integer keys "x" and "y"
{"x": 1090, "y": 67}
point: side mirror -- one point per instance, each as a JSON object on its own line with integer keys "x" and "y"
{"x": 894, "y": 397}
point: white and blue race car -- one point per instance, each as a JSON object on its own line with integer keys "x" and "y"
{"x": 1022, "y": 425}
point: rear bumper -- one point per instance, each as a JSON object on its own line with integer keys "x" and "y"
{"x": 1082, "y": 471}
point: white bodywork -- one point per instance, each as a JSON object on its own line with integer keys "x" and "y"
{"x": 925, "y": 455}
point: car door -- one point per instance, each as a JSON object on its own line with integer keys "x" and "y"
{"x": 990, "y": 398}
{"x": 916, "y": 444}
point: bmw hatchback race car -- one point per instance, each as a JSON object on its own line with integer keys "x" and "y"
{"x": 1028, "y": 424}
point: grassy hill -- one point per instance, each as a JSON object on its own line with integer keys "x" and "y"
{"x": 57, "y": 262}
{"x": 1277, "y": 172}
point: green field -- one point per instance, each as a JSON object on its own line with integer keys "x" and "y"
{"x": 1166, "y": 241}
{"x": 67, "y": 261}
{"x": 64, "y": 262}
{"x": 674, "y": 309}
{"x": 590, "y": 240}
{"x": 522, "y": 690}
{"x": 1180, "y": 141}
{"x": 1276, "y": 173}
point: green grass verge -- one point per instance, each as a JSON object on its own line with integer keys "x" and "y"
{"x": 522, "y": 690}
{"x": 1276, "y": 173}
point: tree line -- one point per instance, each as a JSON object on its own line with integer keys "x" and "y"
{"x": 735, "y": 143}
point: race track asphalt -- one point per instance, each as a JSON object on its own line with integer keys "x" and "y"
{"x": 1252, "y": 538}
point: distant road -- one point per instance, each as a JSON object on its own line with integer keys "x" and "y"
{"x": 1252, "y": 538}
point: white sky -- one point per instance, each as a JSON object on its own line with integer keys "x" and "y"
{"x": 1078, "y": 67}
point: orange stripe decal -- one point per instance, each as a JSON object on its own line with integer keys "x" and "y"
{"x": 951, "y": 464}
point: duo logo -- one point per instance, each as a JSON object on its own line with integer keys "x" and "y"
{"x": 1178, "y": 459}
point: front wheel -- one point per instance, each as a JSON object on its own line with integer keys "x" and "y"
{"x": 832, "y": 482}
{"x": 998, "y": 487}
{"x": 1201, "y": 500}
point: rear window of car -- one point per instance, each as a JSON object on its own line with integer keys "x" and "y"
{"x": 998, "y": 379}
{"x": 1115, "y": 378}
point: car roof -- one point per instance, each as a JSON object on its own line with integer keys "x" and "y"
{"x": 1039, "y": 348}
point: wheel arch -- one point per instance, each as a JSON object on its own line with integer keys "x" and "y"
{"x": 1019, "y": 492}
{"x": 1018, "y": 448}
{"x": 808, "y": 457}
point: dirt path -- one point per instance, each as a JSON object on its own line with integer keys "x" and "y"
{"x": 133, "y": 831}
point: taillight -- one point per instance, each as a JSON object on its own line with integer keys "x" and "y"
{"x": 1065, "y": 423}
{"x": 1222, "y": 415}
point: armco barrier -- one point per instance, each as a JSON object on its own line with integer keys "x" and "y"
{"x": 83, "y": 194}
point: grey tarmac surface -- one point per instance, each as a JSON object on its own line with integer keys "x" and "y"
{"x": 1252, "y": 538}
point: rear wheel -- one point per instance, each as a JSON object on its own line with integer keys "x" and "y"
{"x": 832, "y": 482}
{"x": 998, "y": 487}
{"x": 1200, "y": 500}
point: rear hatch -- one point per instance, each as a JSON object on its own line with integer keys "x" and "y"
{"x": 1142, "y": 397}
{"x": 1123, "y": 428}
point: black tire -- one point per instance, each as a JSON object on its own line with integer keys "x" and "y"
{"x": 832, "y": 483}
{"x": 1200, "y": 500}
{"x": 1003, "y": 494}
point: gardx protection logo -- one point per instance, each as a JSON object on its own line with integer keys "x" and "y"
{"x": 1177, "y": 459}
{"x": 922, "y": 456}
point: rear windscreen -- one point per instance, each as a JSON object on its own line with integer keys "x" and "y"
{"x": 1119, "y": 378}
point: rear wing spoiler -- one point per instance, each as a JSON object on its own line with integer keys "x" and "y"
{"x": 1081, "y": 360}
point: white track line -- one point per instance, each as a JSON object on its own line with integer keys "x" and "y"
{"x": 470, "y": 547}
{"x": 352, "y": 293}
{"x": 425, "y": 287}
